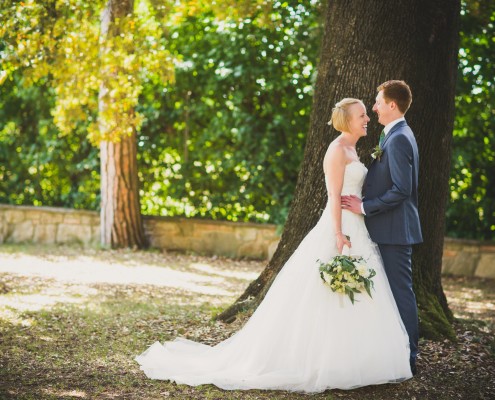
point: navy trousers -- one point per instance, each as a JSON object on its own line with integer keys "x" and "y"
{"x": 397, "y": 263}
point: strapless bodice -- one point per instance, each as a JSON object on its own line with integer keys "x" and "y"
{"x": 354, "y": 175}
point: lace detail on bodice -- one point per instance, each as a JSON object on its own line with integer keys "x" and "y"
{"x": 354, "y": 175}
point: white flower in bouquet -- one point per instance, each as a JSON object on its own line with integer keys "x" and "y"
{"x": 347, "y": 274}
{"x": 327, "y": 277}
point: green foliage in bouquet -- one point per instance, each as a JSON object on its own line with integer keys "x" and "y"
{"x": 347, "y": 275}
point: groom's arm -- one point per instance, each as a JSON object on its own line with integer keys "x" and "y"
{"x": 400, "y": 158}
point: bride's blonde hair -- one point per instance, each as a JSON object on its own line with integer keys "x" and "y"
{"x": 340, "y": 114}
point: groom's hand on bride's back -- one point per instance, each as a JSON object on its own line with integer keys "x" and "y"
{"x": 351, "y": 203}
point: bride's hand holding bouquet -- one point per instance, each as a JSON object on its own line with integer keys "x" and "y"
{"x": 347, "y": 274}
{"x": 342, "y": 240}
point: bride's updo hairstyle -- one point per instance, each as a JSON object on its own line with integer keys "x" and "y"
{"x": 340, "y": 114}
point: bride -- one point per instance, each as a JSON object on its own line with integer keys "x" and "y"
{"x": 304, "y": 337}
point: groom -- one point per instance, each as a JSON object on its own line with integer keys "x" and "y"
{"x": 390, "y": 201}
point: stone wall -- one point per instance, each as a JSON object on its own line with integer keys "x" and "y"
{"x": 49, "y": 225}
{"x": 469, "y": 258}
{"x": 231, "y": 239}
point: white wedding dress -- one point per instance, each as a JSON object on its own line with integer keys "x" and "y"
{"x": 303, "y": 337}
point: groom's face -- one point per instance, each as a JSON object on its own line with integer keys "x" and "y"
{"x": 383, "y": 109}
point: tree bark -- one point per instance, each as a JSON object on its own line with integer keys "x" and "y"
{"x": 120, "y": 216}
{"x": 363, "y": 46}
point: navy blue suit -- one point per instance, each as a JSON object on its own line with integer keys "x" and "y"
{"x": 390, "y": 203}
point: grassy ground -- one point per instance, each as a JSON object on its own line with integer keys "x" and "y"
{"x": 72, "y": 320}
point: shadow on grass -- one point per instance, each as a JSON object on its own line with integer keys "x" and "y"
{"x": 65, "y": 338}
{"x": 86, "y": 349}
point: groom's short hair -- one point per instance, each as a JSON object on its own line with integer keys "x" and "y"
{"x": 397, "y": 91}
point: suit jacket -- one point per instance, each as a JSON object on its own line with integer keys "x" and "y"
{"x": 390, "y": 190}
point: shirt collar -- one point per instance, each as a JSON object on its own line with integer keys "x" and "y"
{"x": 390, "y": 125}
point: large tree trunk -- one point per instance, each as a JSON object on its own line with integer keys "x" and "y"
{"x": 121, "y": 223}
{"x": 363, "y": 46}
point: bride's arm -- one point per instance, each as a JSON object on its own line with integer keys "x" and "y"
{"x": 334, "y": 167}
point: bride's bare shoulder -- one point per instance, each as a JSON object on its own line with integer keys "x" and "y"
{"x": 335, "y": 149}
{"x": 335, "y": 157}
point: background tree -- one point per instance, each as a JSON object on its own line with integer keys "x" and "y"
{"x": 256, "y": 80}
{"x": 418, "y": 43}
{"x": 120, "y": 215}
{"x": 61, "y": 40}
{"x": 36, "y": 167}
{"x": 251, "y": 66}
{"x": 214, "y": 48}
{"x": 471, "y": 211}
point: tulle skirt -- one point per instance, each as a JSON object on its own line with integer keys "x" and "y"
{"x": 303, "y": 337}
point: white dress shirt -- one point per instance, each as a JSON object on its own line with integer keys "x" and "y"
{"x": 390, "y": 125}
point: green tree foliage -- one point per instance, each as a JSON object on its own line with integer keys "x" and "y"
{"x": 226, "y": 138}
{"x": 54, "y": 50}
{"x": 471, "y": 212}
{"x": 61, "y": 40}
{"x": 36, "y": 166}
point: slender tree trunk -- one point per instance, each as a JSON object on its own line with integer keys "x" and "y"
{"x": 363, "y": 46}
{"x": 121, "y": 222}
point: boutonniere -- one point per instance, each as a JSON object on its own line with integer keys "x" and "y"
{"x": 377, "y": 153}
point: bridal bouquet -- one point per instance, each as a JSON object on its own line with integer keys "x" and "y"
{"x": 347, "y": 274}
